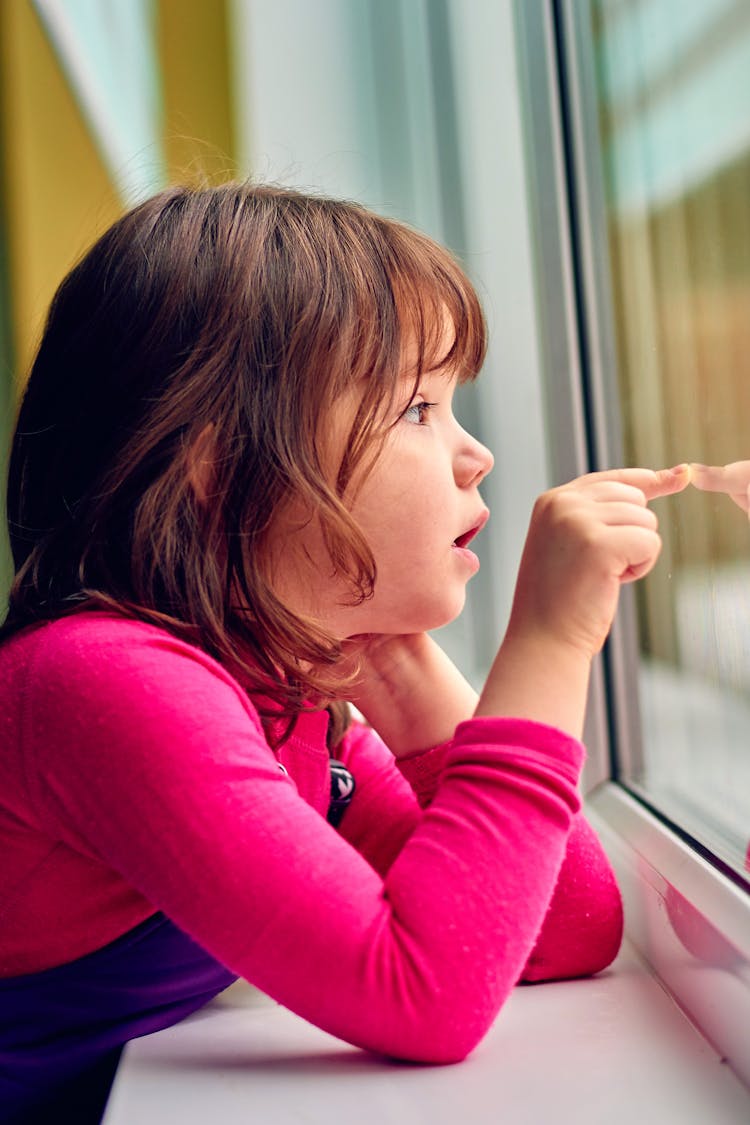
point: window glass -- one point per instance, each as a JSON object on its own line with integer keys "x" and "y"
{"x": 673, "y": 87}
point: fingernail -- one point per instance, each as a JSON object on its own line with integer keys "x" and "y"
{"x": 678, "y": 469}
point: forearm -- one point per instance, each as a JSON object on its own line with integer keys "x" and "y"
{"x": 535, "y": 677}
{"x": 412, "y": 693}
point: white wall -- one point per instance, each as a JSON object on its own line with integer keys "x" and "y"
{"x": 412, "y": 107}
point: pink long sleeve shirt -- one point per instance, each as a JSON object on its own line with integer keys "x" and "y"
{"x": 135, "y": 777}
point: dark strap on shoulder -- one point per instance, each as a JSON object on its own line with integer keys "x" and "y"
{"x": 342, "y": 791}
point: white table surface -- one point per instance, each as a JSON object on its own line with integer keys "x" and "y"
{"x": 610, "y": 1050}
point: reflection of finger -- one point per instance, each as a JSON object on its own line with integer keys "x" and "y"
{"x": 741, "y": 499}
{"x": 732, "y": 479}
{"x": 708, "y": 478}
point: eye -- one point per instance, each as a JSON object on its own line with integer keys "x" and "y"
{"x": 417, "y": 412}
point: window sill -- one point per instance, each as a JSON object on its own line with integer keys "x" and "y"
{"x": 689, "y": 922}
{"x": 573, "y": 1052}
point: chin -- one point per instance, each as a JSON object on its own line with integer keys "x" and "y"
{"x": 433, "y": 616}
{"x": 407, "y": 613}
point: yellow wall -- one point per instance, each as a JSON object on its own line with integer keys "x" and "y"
{"x": 193, "y": 45}
{"x": 57, "y": 194}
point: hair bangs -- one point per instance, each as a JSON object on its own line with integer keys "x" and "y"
{"x": 439, "y": 311}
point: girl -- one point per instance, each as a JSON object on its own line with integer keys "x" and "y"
{"x": 237, "y": 497}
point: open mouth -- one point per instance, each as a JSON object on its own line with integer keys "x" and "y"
{"x": 466, "y": 538}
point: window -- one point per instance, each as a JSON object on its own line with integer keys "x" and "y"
{"x": 672, "y": 85}
{"x": 638, "y": 220}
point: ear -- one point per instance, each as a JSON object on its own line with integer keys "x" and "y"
{"x": 200, "y": 464}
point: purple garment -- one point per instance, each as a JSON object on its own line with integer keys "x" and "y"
{"x": 62, "y": 1030}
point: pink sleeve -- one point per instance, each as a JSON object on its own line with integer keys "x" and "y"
{"x": 145, "y": 757}
{"x": 582, "y": 929}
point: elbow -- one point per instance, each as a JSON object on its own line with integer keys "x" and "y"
{"x": 609, "y": 938}
{"x": 588, "y": 945}
{"x": 582, "y": 932}
{"x": 438, "y": 1034}
{"x": 448, "y": 1047}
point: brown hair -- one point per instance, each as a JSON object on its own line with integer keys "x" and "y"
{"x": 248, "y": 309}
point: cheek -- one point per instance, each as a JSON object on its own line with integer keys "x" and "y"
{"x": 402, "y": 506}
{"x": 403, "y": 541}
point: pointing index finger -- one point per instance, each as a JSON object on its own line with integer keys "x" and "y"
{"x": 652, "y": 482}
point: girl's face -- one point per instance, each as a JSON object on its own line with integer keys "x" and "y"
{"x": 417, "y": 508}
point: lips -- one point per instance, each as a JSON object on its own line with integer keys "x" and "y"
{"x": 466, "y": 538}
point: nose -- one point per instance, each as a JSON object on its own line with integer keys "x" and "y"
{"x": 472, "y": 461}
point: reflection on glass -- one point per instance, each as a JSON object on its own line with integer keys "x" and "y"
{"x": 674, "y": 88}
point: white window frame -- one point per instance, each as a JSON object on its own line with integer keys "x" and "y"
{"x": 689, "y": 919}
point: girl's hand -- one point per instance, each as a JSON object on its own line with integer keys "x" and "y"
{"x": 409, "y": 690}
{"x": 585, "y": 540}
{"x": 733, "y": 479}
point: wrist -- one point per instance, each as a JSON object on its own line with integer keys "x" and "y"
{"x": 390, "y": 660}
{"x": 411, "y": 692}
